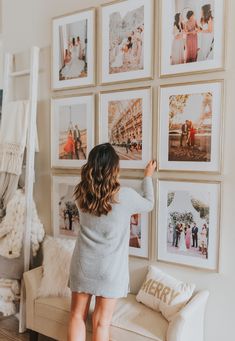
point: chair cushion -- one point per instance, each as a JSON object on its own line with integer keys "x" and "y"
{"x": 139, "y": 319}
{"x": 131, "y": 320}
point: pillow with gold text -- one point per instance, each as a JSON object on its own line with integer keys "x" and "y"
{"x": 164, "y": 293}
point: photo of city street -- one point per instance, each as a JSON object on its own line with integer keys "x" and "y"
{"x": 125, "y": 128}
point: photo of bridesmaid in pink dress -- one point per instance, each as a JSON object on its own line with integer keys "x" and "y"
{"x": 191, "y": 30}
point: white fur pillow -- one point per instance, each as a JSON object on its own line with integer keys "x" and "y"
{"x": 57, "y": 254}
{"x": 164, "y": 293}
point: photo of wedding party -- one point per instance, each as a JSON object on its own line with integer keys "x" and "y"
{"x": 65, "y": 212}
{"x": 126, "y": 40}
{"x": 135, "y": 231}
{"x": 192, "y": 37}
{"x": 73, "y": 132}
{"x": 188, "y": 223}
{"x": 73, "y": 50}
{"x": 190, "y": 127}
{"x": 192, "y": 31}
{"x": 125, "y": 128}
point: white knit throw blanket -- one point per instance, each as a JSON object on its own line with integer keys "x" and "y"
{"x": 13, "y": 136}
{"x": 13, "y": 225}
{"x": 9, "y": 295}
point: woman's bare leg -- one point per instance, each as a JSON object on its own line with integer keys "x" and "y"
{"x": 102, "y": 316}
{"x": 77, "y": 322}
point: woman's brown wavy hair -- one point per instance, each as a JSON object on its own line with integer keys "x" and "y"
{"x": 99, "y": 184}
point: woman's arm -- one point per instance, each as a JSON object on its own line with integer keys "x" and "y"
{"x": 210, "y": 27}
{"x": 142, "y": 203}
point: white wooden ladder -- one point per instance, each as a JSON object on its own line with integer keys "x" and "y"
{"x": 9, "y": 75}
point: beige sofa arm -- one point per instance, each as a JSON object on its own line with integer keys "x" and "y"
{"x": 32, "y": 280}
{"x": 188, "y": 324}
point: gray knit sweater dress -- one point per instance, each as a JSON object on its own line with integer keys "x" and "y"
{"x": 99, "y": 264}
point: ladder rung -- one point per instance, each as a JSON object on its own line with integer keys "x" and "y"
{"x": 20, "y": 73}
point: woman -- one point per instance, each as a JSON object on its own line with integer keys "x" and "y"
{"x": 99, "y": 264}
{"x": 182, "y": 244}
{"x": 127, "y": 49}
{"x": 67, "y": 61}
{"x": 69, "y": 147}
{"x": 119, "y": 58}
{"x": 188, "y": 237}
{"x": 177, "y": 54}
{"x": 207, "y": 34}
{"x": 192, "y": 133}
{"x": 203, "y": 244}
{"x": 134, "y": 231}
{"x": 191, "y": 29}
{"x": 170, "y": 233}
{"x": 79, "y": 48}
{"x": 76, "y": 65}
{"x": 139, "y": 40}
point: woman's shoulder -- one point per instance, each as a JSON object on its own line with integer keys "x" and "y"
{"x": 125, "y": 191}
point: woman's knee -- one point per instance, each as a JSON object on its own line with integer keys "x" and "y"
{"x": 100, "y": 321}
{"x": 77, "y": 316}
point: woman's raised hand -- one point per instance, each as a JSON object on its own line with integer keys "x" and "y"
{"x": 150, "y": 168}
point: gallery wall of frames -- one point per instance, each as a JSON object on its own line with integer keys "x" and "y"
{"x": 187, "y": 126}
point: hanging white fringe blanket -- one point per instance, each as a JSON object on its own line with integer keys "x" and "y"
{"x": 13, "y": 136}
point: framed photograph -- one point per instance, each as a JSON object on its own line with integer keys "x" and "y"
{"x": 126, "y": 123}
{"x": 139, "y": 225}
{"x": 74, "y": 50}
{"x": 191, "y": 127}
{"x": 72, "y": 130}
{"x": 64, "y": 210}
{"x": 1, "y": 95}
{"x": 192, "y": 36}
{"x": 127, "y": 40}
{"x": 188, "y": 223}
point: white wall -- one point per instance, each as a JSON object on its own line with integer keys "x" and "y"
{"x": 27, "y": 23}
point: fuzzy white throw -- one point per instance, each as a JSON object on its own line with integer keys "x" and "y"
{"x": 9, "y": 295}
{"x": 57, "y": 254}
{"x": 13, "y": 225}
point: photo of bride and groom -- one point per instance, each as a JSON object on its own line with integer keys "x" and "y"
{"x": 126, "y": 41}
{"x": 73, "y": 132}
{"x": 68, "y": 212}
{"x": 73, "y": 43}
{"x": 190, "y": 127}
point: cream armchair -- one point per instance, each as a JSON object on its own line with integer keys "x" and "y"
{"x": 131, "y": 321}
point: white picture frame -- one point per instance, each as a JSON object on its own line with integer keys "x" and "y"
{"x": 118, "y": 106}
{"x": 64, "y": 210}
{"x": 187, "y": 53}
{"x": 73, "y": 61}
{"x": 199, "y": 107}
{"x": 123, "y": 59}
{"x": 176, "y": 241}
{"x": 72, "y": 130}
{"x": 139, "y": 231}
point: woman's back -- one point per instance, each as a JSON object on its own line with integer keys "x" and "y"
{"x": 100, "y": 258}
